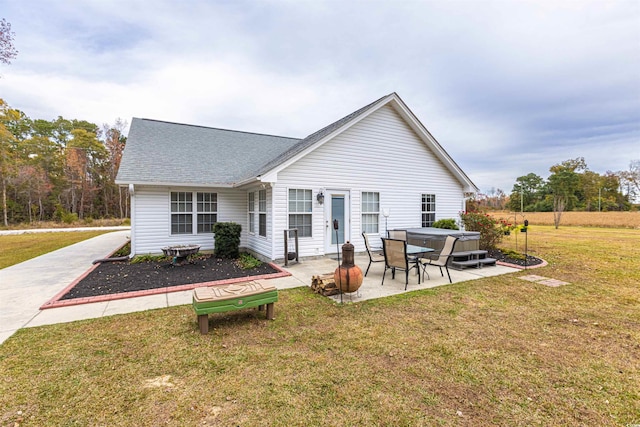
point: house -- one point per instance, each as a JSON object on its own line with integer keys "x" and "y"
{"x": 377, "y": 168}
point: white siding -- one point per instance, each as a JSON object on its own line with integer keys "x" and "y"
{"x": 260, "y": 244}
{"x": 152, "y": 218}
{"x": 381, "y": 153}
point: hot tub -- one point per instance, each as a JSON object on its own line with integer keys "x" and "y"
{"x": 434, "y": 238}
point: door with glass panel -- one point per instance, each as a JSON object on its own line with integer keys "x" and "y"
{"x": 336, "y": 204}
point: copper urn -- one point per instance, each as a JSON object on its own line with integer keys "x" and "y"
{"x": 348, "y": 276}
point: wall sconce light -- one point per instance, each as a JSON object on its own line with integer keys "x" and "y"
{"x": 320, "y": 197}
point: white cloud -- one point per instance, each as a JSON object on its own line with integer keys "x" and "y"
{"x": 507, "y": 88}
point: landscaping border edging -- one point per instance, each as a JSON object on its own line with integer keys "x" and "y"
{"x": 57, "y": 302}
{"x": 522, "y": 267}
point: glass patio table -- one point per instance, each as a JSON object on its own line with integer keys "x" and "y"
{"x": 418, "y": 250}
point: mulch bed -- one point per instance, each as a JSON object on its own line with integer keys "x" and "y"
{"x": 121, "y": 277}
{"x": 498, "y": 255}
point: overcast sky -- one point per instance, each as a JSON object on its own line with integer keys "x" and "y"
{"x": 506, "y": 87}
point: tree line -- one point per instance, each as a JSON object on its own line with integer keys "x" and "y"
{"x": 59, "y": 169}
{"x": 570, "y": 186}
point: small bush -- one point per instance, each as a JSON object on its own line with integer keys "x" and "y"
{"x": 123, "y": 251}
{"x": 68, "y": 217}
{"x": 490, "y": 228}
{"x": 149, "y": 258}
{"x": 447, "y": 223}
{"x": 247, "y": 261}
{"x": 513, "y": 254}
{"x": 227, "y": 239}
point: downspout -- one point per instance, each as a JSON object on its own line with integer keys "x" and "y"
{"x": 273, "y": 221}
{"x": 132, "y": 234}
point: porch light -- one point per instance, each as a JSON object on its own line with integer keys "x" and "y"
{"x": 320, "y": 197}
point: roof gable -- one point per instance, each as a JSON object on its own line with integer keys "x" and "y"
{"x": 305, "y": 146}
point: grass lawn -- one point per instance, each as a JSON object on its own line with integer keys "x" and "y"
{"x": 495, "y": 351}
{"x": 17, "y": 248}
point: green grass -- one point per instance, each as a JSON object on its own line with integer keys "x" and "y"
{"x": 21, "y": 247}
{"x": 495, "y": 351}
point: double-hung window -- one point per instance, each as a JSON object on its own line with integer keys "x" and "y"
{"x": 207, "y": 211}
{"x": 252, "y": 212}
{"x": 300, "y": 207}
{"x": 262, "y": 213}
{"x": 428, "y": 209}
{"x": 370, "y": 212}
{"x": 183, "y": 214}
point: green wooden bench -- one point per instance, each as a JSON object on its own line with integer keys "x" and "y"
{"x": 221, "y": 298}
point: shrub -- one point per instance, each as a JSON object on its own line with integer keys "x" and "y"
{"x": 248, "y": 261}
{"x": 513, "y": 254}
{"x": 227, "y": 239}
{"x": 447, "y": 223}
{"x": 490, "y": 228}
{"x": 123, "y": 251}
{"x": 69, "y": 218}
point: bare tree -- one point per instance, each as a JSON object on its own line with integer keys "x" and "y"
{"x": 7, "y": 51}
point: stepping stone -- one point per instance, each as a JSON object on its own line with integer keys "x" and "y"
{"x": 534, "y": 278}
{"x": 553, "y": 282}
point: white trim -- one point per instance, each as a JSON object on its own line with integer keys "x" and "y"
{"x": 310, "y": 213}
{"x": 400, "y": 107}
{"x": 426, "y": 136}
{"x": 328, "y": 235}
{"x": 176, "y": 184}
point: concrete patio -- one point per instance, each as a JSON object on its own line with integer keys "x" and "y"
{"x": 372, "y": 285}
{"x": 25, "y": 287}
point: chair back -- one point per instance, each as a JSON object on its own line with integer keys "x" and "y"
{"x": 395, "y": 253}
{"x": 366, "y": 244}
{"x": 398, "y": 234}
{"x": 446, "y": 252}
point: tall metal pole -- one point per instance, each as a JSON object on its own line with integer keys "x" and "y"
{"x": 335, "y": 227}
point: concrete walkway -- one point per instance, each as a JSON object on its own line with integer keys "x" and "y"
{"x": 25, "y": 287}
{"x": 55, "y": 230}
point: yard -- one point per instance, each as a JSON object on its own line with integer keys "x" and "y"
{"x": 495, "y": 351}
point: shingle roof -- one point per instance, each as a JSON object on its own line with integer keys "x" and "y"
{"x": 177, "y": 154}
{"x": 170, "y": 153}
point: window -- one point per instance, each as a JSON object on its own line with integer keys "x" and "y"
{"x": 428, "y": 209}
{"x": 262, "y": 213}
{"x": 370, "y": 212}
{"x": 300, "y": 206}
{"x": 207, "y": 211}
{"x": 252, "y": 212}
{"x": 182, "y": 212}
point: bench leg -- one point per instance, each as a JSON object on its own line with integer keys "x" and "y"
{"x": 270, "y": 311}
{"x": 261, "y": 307}
{"x": 203, "y": 322}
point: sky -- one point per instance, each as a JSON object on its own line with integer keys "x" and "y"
{"x": 506, "y": 87}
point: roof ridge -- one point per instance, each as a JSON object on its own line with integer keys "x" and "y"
{"x": 215, "y": 128}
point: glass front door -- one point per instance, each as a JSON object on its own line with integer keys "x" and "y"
{"x": 336, "y": 209}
